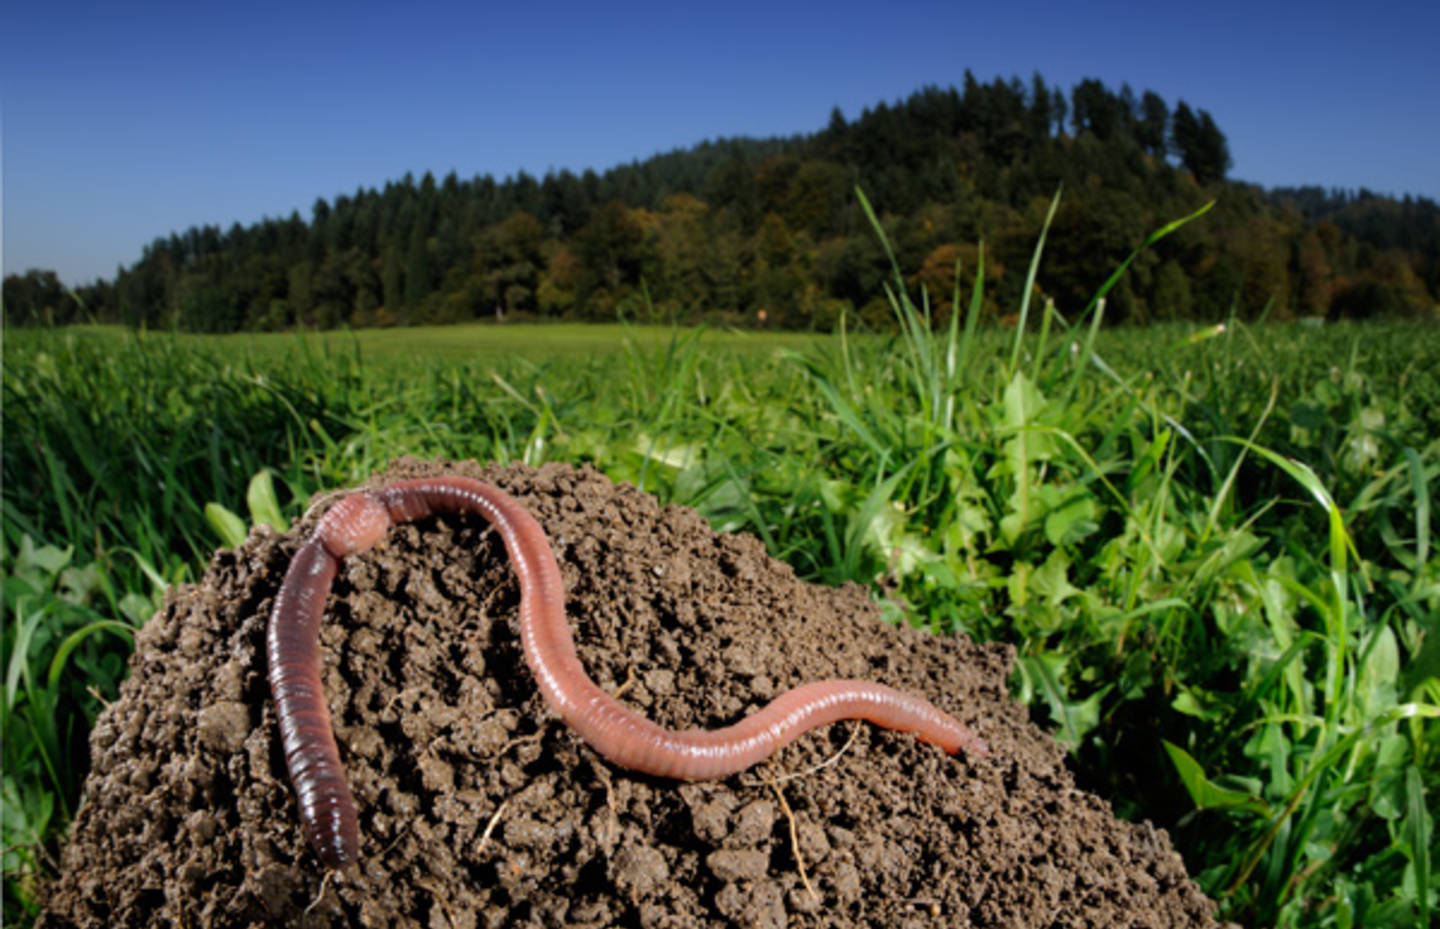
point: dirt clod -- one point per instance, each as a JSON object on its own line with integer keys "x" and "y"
{"x": 479, "y": 808}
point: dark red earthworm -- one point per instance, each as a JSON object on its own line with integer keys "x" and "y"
{"x": 618, "y": 733}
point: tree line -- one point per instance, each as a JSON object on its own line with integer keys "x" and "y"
{"x": 769, "y": 232}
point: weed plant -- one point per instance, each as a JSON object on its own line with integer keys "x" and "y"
{"x": 1211, "y": 547}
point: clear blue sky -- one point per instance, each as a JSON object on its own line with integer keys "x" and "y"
{"x": 127, "y": 121}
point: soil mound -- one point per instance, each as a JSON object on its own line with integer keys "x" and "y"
{"x": 478, "y": 807}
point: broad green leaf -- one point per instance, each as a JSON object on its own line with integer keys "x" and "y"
{"x": 79, "y": 584}
{"x": 1012, "y": 523}
{"x": 1051, "y": 581}
{"x": 881, "y": 524}
{"x": 1206, "y": 794}
{"x": 1072, "y": 521}
{"x": 229, "y": 527}
{"x": 678, "y": 455}
{"x": 1023, "y": 401}
{"x": 1042, "y": 674}
{"x": 1149, "y": 460}
{"x": 137, "y": 608}
{"x": 969, "y": 523}
{"x": 1377, "y": 677}
{"x": 1187, "y": 702}
{"x": 264, "y": 507}
{"x": 47, "y": 561}
{"x": 1387, "y": 786}
{"x": 713, "y": 487}
{"x": 1308, "y": 416}
{"x": 24, "y": 819}
{"x": 1023, "y": 404}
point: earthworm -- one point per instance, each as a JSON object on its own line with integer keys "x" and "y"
{"x": 618, "y": 733}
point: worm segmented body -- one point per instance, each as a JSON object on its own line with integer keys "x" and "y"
{"x": 614, "y": 730}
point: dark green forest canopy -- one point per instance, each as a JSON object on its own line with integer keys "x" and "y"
{"x": 769, "y": 232}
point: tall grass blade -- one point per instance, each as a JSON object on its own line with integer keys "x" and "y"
{"x": 1419, "y": 832}
{"x": 1420, "y": 487}
{"x": 1150, "y": 240}
{"x": 1030, "y": 284}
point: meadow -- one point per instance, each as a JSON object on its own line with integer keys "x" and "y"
{"x": 1210, "y": 546}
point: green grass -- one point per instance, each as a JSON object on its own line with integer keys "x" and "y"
{"x": 459, "y": 343}
{"x": 1211, "y": 546}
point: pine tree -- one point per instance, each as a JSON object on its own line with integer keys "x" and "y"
{"x": 391, "y": 281}
{"x": 1041, "y": 109}
{"x": 1199, "y": 144}
{"x": 1212, "y": 157}
{"x": 1184, "y": 131}
{"x": 417, "y": 273}
{"x": 1152, "y": 124}
{"x": 1094, "y": 109}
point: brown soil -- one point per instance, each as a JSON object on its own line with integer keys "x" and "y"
{"x": 479, "y": 808}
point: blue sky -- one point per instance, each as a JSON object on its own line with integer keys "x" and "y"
{"x": 124, "y": 122}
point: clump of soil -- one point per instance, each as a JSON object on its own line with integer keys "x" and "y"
{"x": 479, "y": 808}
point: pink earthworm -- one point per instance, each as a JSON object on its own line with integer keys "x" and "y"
{"x": 617, "y": 732}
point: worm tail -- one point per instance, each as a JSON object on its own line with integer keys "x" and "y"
{"x": 293, "y": 648}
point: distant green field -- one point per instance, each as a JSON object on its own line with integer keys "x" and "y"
{"x": 1212, "y": 547}
{"x": 459, "y": 342}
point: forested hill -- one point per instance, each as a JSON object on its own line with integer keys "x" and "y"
{"x": 769, "y": 231}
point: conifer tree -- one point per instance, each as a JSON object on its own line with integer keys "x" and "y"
{"x": 1152, "y": 124}
{"x": 391, "y": 279}
{"x": 417, "y": 275}
{"x": 1199, "y": 144}
{"x": 1212, "y": 154}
